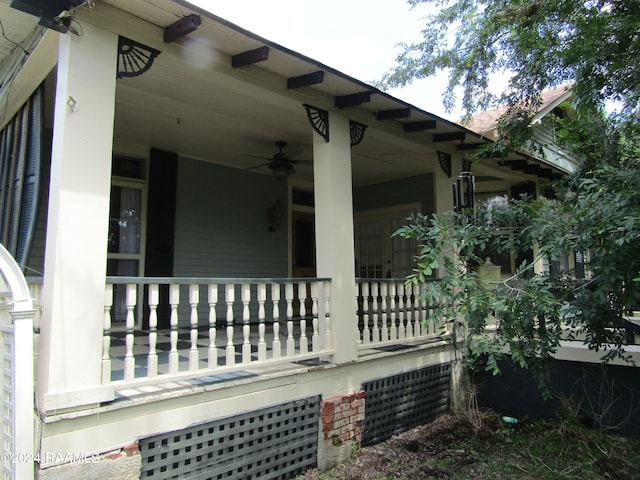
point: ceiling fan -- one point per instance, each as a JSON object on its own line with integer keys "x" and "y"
{"x": 279, "y": 163}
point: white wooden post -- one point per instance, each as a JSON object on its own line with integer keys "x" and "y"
{"x": 262, "y": 344}
{"x": 16, "y": 351}
{"x": 366, "y": 333}
{"x": 402, "y": 332}
{"x": 230, "y": 297}
{"x": 276, "y": 345}
{"x": 302, "y": 298}
{"x": 246, "y": 328}
{"x": 194, "y": 300}
{"x": 152, "y": 359}
{"x": 328, "y": 329}
{"x": 129, "y": 359}
{"x": 106, "y": 335}
{"x": 23, "y": 424}
{"x": 384, "y": 295}
{"x": 376, "y": 328}
{"x": 213, "y": 351}
{"x": 288, "y": 295}
{"x": 174, "y": 301}
{"x": 334, "y": 231}
{"x": 315, "y": 339}
{"x": 70, "y": 359}
{"x": 392, "y": 306}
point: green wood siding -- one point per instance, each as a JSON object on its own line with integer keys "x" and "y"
{"x": 221, "y": 223}
{"x": 396, "y": 192}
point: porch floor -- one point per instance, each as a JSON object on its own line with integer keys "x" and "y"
{"x": 163, "y": 347}
{"x": 244, "y": 373}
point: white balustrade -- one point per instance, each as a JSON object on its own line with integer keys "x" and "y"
{"x": 212, "y": 355}
{"x": 194, "y": 300}
{"x": 392, "y": 312}
{"x": 165, "y": 336}
{"x": 366, "y": 333}
{"x": 106, "y": 338}
{"x": 174, "y": 299}
{"x": 129, "y": 360}
{"x": 152, "y": 361}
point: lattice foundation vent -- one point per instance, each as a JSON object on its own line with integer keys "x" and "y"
{"x": 276, "y": 442}
{"x": 398, "y": 403}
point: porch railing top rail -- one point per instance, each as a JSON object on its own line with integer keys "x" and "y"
{"x": 116, "y": 280}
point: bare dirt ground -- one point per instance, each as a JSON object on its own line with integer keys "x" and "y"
{"x": 452, "y": 448}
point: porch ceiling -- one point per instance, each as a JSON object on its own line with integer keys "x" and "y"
{"x": 193, "y": 102}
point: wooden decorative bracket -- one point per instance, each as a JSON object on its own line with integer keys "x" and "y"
{"x": 319, "y": 120}
{"x": 356, "y": 131}
{"x": 134, "y": 58}
{"x": 445, "y": 162}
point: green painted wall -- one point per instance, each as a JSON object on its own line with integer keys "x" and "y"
{"x": 396, "y": 192}
{"x": 221, "y": 223}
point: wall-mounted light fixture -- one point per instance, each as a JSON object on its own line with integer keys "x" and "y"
{"x": 275, "y": 215}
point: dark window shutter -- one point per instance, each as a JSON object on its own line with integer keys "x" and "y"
{"x": 161, "y": 212}
{"x": 20, "y": 160}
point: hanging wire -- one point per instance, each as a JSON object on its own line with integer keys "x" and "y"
{"x": 4, "y": 35}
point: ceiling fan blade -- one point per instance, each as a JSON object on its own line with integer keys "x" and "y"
{"x": 258, "y": 166}
{"x": 256, "y": 156}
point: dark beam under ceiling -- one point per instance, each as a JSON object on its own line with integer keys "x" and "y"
{"x": 448, "y": 137}
{"x": 419, "y": 126}
{"x": 393, "y": 113}
{"x": 249, "y": 57}
{"x": 305, "y": 80}
{"x": 353, "y": 99}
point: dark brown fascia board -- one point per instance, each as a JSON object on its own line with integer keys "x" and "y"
{"x": 419, "y": 126}
{"x": 393, "y": 113}
{"x": 305, "y": 80}
{"x": 249, "y": 57}
{"x": 353, "y": 99}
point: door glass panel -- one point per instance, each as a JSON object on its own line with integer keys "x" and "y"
{"x": 125, "y": 225}
{"x": 125, "y": 220}
{"x": 402, "y": 250}
{"x": 371, "y": 261}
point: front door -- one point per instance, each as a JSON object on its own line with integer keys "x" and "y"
{"x": 126, "y": 230}
{"x": 379, "y": 254}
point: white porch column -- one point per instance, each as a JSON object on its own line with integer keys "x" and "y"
{"x": 76, "y": 245}
{"x": 335, "y": 256}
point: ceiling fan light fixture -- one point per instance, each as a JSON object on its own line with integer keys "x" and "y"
{"x": 281, "y": 170}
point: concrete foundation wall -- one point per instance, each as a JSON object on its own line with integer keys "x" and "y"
{"x": 108, "y": 435}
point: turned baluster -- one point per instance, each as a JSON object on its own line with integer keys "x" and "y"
{"x": 246, "y": 317}
{"x": 194, "y": 355}
{"x": 174, "y": 300}
{"x": 129, "y": 359}
{"x": 152, "y": 358}
{"x": 106, "y": 334}
{"x": 262, "y": 344}
{"x": 275, "y": 298}
{"x": 376, "y": 316}
{"x": 212, "y": 354}
{"x": 230, "y": 295}
{"x": 291, "y": 345}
